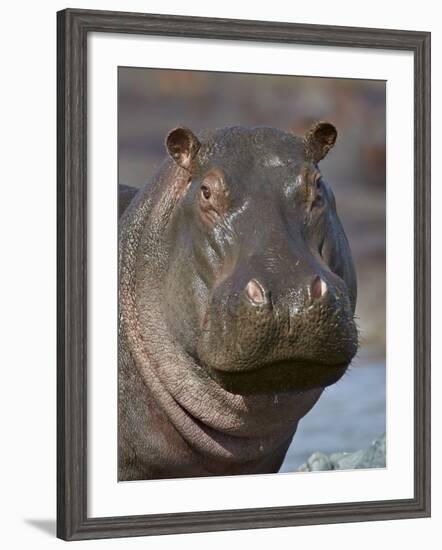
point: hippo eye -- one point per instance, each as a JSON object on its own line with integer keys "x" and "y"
{"x": 318, "y": 201}
{"x": 317, "y": 181}
{"x": 205, "y": 191}
{"x": 213, "y": 197}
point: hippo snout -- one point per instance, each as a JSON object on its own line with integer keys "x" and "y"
{"x": 256, "y": 293}
{"x": 266, "y": 338}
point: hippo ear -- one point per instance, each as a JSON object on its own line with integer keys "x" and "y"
{"x": 182, "y": 145}
{"x": 319, "y": 140}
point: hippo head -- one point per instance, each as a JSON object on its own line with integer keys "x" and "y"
{"x": 260, "y": 287}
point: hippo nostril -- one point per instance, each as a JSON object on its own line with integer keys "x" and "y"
{"x": 255, "y": 292}
{"x": 318, "y": 288}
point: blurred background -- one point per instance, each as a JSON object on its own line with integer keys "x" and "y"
{"x": 351, "y": 413}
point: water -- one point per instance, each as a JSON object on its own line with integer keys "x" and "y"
{"x": 347, "y": 417}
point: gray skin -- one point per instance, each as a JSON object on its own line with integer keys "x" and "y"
{"x": 237, "y": 295}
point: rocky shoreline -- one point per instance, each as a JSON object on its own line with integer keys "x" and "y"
{"x": 373, "y": 456}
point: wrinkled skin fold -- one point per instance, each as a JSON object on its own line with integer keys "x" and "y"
{"x": 237, "y": 294}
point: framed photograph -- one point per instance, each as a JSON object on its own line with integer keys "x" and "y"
{"x": 243, "y": 274}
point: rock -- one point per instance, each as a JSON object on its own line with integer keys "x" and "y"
{"x": 372, "y": 457}
{"x": 319, "y": 461}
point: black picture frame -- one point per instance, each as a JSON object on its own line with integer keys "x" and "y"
{"x": 73, "y": 27}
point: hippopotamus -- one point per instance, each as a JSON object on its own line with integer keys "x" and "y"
{"x": 237, "y": 294}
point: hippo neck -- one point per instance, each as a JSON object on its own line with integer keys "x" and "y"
{"x": 215, "y": 423}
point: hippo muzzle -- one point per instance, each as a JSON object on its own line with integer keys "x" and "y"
{"x": 287, "y": 327}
